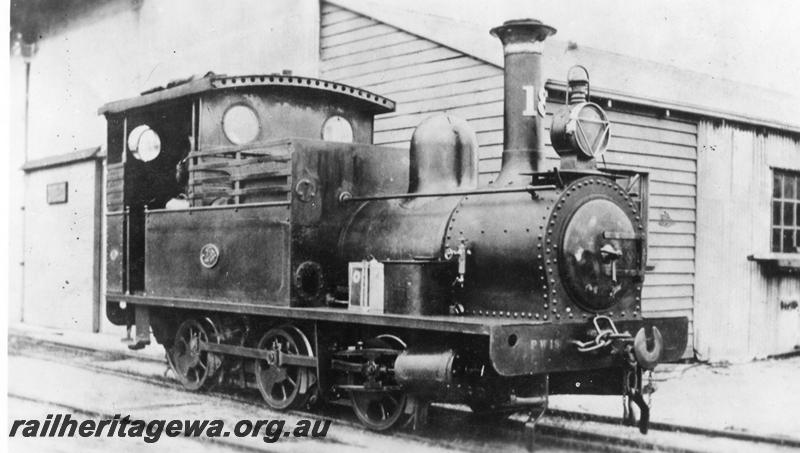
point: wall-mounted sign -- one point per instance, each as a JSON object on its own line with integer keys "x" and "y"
{"x": 57, "y": 193}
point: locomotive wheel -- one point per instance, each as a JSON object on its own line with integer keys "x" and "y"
{"x": 284, "y": 387}
{"x": 380, "y": 410}
{"x": 194, "y": 367}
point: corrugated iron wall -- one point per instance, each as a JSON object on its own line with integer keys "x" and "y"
{"x": 425, "y": 78}
{"x": 738, "y": 310}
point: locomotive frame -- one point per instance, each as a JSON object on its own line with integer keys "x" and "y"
{"x": 338, "y": 270}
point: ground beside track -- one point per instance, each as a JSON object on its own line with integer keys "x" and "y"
{"x": 100, "y": 387}
{"x": 107, "y": 383}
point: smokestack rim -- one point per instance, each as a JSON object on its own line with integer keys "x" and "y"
{"x": 539, "y": 30}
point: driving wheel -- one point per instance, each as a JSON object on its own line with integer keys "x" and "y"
{"x": 193, "y": 366}
{"x": 377, "y": 408}
{"x": 283, "y": 386}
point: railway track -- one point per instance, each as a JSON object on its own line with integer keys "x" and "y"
{"x": 449, "y": 427}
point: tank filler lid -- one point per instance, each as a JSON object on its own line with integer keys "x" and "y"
{"x": 370, "y": 101}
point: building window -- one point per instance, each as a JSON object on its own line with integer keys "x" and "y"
{"x": 786, "y": 211}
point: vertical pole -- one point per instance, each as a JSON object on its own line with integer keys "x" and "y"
{"x": 27, "y": 52}
{"x": 99, "y": 246}
{"x": 25, "y": 185}
{"x": 27, "y": 95}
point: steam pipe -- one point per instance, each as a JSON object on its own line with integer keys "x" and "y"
{"x": 524, "y": 97}
{"x": 346, "y": 197}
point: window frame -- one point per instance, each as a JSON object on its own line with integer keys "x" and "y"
{"x": 784, "y": 220}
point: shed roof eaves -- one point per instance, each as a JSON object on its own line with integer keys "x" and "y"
{"x": 63, "y": 159}
{"x": 619, "y": 76}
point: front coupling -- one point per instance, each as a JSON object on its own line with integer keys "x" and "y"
{"x": 636, "y": 347}
{"x": 647, "y": 358}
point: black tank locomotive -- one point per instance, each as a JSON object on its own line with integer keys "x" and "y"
{"x": 265, "y": 242}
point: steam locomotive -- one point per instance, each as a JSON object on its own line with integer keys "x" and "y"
{"x": 257, "y": 234}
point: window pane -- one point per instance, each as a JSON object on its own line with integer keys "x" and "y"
{"x": 788, "y": 213}
{"x": 788, "y": 241}
{"x": 797, "y": 214}
{"x": 776, "y": 239}
{"x": 776, "y": 185}
{"x": 776, "y": 213}
{"x": 788, "y": 186}
{"x": 797, "y": 187}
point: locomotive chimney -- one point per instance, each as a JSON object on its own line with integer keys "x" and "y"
{"x": 524, "y": 97}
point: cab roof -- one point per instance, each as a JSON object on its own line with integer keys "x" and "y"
{"x": 192, "y": 86}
